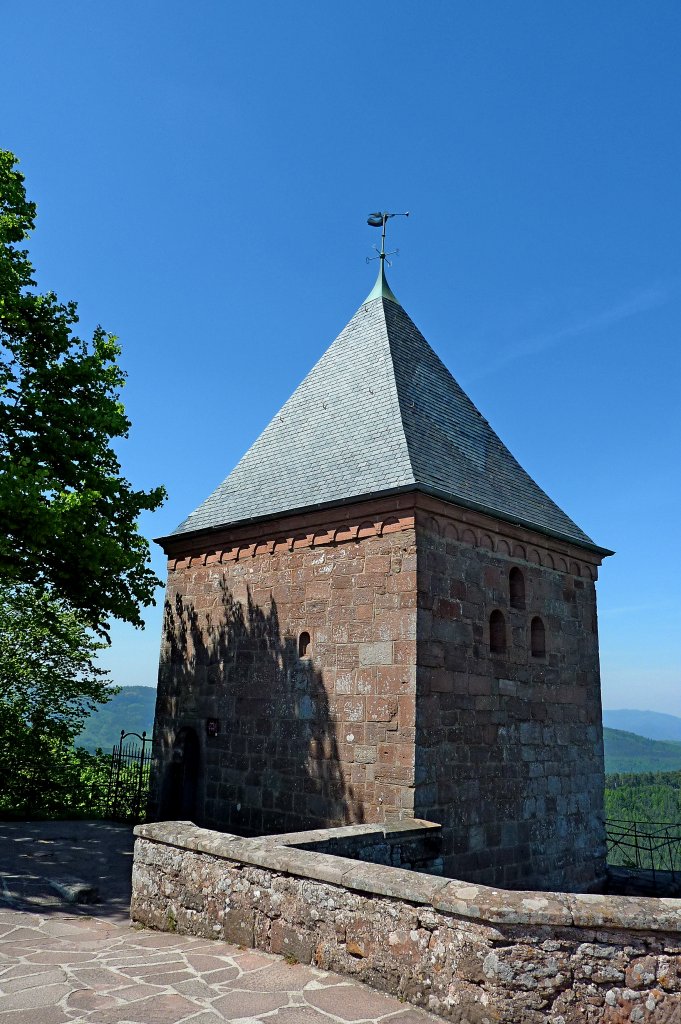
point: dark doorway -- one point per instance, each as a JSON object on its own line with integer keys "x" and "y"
{"x": 181, "y": 779}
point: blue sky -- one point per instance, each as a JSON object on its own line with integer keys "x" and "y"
{"x": 203, "y": 174}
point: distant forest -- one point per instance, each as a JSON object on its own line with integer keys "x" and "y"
{"x": 132, "y": 709}
{"x": 646, "y": 797}
{"x": 627, "y": 752}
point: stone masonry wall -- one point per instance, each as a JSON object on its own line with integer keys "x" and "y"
{"x": 509, "y": 752}
{"x": 471, "y": 954}
{"x": 286, "y": 741}
{"x": 411, "y": 843}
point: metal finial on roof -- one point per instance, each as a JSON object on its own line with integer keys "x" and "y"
{"x": 382, "y": 289}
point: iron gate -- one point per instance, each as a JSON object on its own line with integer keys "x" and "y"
{"x": 128, "y": 790}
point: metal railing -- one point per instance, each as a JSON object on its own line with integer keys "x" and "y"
{"x": 651, "y": 846}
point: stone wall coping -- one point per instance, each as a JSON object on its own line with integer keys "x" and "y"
{"x": 463, "y": 899}
{"x": 391, "y": 832}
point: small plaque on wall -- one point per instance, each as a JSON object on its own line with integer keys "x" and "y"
{"x": 212, "y": 726}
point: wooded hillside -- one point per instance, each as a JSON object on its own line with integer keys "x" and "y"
{"x": 132, "y": 709}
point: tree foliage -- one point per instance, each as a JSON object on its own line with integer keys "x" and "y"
{"x": 69, "y": 517}
{"x": 48, "y": 686}
{"x": 644, "y": 797}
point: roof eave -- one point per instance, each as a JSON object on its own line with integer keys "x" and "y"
{"x": 526, "y": 524}
{"x": 368, "y": 496}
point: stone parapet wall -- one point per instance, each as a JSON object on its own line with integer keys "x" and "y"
{"x": 470, "y": 953}
{"x": 411, "y": 843}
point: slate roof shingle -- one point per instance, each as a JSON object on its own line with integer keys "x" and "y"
{"x": 379, "y": 413}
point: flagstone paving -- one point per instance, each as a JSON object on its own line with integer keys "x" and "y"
{"x": 62, "y": 963}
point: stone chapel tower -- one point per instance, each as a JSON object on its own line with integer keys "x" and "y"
{"x": 378, "y": 615}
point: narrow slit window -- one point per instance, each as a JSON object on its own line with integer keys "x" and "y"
{"x": 516, "y": 584}
{"x": 497, "y": 633}
{"x": 537, "y": 638}
{"x": 303, "y": 645}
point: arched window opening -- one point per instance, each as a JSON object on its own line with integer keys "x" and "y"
{"x": 497, "y": 633}
{"x": 303, "y": 645}
{"x": 537, "y": 638}
{"x": 516, "y": 584}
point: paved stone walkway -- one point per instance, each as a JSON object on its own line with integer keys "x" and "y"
{"x": 61, "y": 963}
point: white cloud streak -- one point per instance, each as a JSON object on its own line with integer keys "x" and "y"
{"x": 640, "y": 302}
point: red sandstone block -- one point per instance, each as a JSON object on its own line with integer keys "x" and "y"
{"x": 322, "y": 572}
{"x": 348, "y": 566}
{"x": 360, "y": 632}
{"x": 339, "y": 631}
{"x": 390, "y": 601}
{"x": 402, "y": 582}
{"x": 395, "y": 678}
{"x": 377, "y": 564}
{"x": 347, "y": 656}
{"x": 395, "y": 625}
{"x": 386, "y": 754}
{"x": 317, "y": 590}
{"x": 315, "y": 613}
{"x": 361, "y": 775}
{"x": 363, "y": 688}
{"x": 351, "y": 710}
{"x": 375, "y": 732}
{"x": 381, "y": 709}
{"x": 364, "y": 613}
{"x": 387, "y": 795}
{"x": 324, "y": 654}
{"x": 374, "y": 580}
{"x": 344, "y": 681}
{"x": 405, "y": 756}
{"x": 342, "y": 582}
{"x": 404, "y": 652}
{"x": 365, "y": 678}
{"x": 407, "y": 709}
{"x": 394, "y": 774}
{"x": 409, "y": 562}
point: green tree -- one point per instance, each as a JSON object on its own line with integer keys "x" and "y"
{"x": 69, "y": 517}
{"x": 48, "y": 686}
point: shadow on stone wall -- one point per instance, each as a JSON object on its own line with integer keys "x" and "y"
{"x": 275, "y": 764}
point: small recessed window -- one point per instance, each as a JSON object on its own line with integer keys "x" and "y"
{"x": 516, "y": 584}
{"x": 303, "y": 645}
{"x": 537, "y": 638}
{"x": 497, "y": 633}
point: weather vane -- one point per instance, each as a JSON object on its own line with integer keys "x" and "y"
{"x": 380, "y": 220}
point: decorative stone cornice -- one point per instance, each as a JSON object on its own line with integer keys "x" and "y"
{"x": 397, "y": 513}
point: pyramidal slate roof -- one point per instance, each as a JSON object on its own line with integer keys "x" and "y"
{"x": 378, "y": 414}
